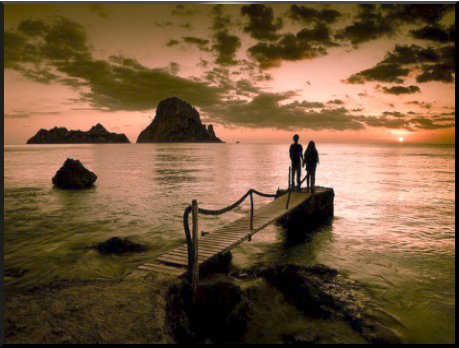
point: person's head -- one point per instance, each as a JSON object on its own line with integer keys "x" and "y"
{"x": 311, "y": 146}
{"x": 296, "y": 137}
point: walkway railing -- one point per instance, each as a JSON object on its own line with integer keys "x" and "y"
{"x": 192, "y": 236}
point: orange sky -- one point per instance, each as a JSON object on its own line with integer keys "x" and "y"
{"x": 229, "y": 95}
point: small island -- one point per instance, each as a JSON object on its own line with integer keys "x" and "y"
{"x": 176, "y": 121}
{"x": 60, "y": 135}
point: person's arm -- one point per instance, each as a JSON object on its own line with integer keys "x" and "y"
{"x": 291, "y": 152}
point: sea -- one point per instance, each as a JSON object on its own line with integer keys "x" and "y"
{"x": 393, "y": 231}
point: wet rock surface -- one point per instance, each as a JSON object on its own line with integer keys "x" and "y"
{"x": 176, "y": 121}
{"x": 283, "y": 303}
{"x": 60, "y": 135}
{"x": 73, "y": 175}
{"x": 119, "y": 246}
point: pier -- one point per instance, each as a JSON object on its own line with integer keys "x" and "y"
{"x": 288, "y": 207}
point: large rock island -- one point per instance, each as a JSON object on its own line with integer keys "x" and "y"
{"x": 176, "y": 121}
{"x": 96, "y": 135}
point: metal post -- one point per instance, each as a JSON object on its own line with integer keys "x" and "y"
{"x": 290, "y": 186}
{"x": 195, "y": 265}
{"x": 251, "y": 214}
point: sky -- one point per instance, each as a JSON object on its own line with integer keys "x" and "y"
{"x": 342, "y": 73}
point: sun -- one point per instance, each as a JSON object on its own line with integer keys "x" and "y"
{"x": 401, "y": 140}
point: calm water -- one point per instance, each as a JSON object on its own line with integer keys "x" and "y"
{"x": 394, "y": 230}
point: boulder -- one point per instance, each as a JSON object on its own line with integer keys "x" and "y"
{"x": 176, "y": 121}
{"x": 73, "y": 175}
{"x": 120, "y": 246}
{"x": 96, "y": 135}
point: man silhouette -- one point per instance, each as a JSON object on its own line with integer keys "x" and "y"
{"x": 296, "y": 156}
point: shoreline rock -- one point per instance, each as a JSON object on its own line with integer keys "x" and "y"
{"x": 176, "y": 121}
{"x": 119, "y": 246}
{"x": 73, "y": 175}
{"x": 96, "y": 135}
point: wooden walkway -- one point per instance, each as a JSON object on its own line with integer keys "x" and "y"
{"x": 222, "y": 240}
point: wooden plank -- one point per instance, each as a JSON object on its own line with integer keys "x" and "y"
{"x": 222, "y": 239}
{"x": 163, "y": 270}
{"x": 184, "y": 253}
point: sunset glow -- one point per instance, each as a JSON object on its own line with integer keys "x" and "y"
{"x": 256, "y": 72}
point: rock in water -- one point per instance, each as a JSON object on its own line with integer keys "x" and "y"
{"x": 73, "y": 175}
{"x": 120, "y": 246}
{"x": 177, "y": 121}
{"x": 96, "y": 135}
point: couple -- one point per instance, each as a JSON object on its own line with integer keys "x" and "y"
{"x": 310, "y": 161}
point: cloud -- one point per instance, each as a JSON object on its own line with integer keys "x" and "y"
{"x": 370, "y": 25}
{"x": 428, "y": 124}
{"x": 375, "y": 21}
{"x": 423, "y": 105}
{"x": 319, "y": 34}
{"x": 336, "y": 102}
{"x": 265, "y": 111}
{"x": 435, "y": 33}
{"x": 397, "y": 90}
{"x": 382, "y": 73}
{"x": 201, "y": 43}
{"x": 416, "y": 13}
{"x": 180, "y": 10}
{"x": 99, "y": 10}
{"x": 24, "y": 114}
{"x": 431, "y": 64}
{"x": 307, "y": 14}
{"x": 289, "y": 48}
{"x": 262, "y": 24}
{"x": 226, "y": 47}
{"x": 394, "y": 114}
{"x": 33, "y": 27}
{"x": 171, "y": 43}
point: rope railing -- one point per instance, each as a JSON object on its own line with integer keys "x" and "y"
{"x": 192, "y": 237}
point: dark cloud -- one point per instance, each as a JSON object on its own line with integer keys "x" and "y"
{"x": 382, "y": 73}
{"x": 397, "y": 90}
{"x": 262, "y": 24}
{"x": 386, "y": 122}
{"x": 309, "y": 105}
{"x": 265, "y": 111}
{"x": 416, "y": 13}
{"x": 423, "y": 105}
{"x": 100, "y": 10}
{"x": 394, "y": 114}
{"x": 307, "y": 14}
{"x": 431, "y": 64}
{"x": 375, "y": 21}
{"x": 33, "y": 27}
{"x": 436, "y": 33}
{"x": 403, "y": 54}
{"x": 180, "y": 10}
{"x": 289, "y": 48}
{"x": 336, "y": 102}
{"x": 428, "y": 124}
{"x": 23, "y": 114}
{"x": 164, "y": 24}
{"x": 220, "y": 22}
{"x": 319, "y": 34}
{"x": 370, "y": 25}
{"x": 171, "y": 43}
{"x": 201, "y": 43}
{"x": 226, "y": 47}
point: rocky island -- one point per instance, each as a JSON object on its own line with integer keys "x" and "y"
{"x": 96, "y": 135}
{"x": 176, "y": 121}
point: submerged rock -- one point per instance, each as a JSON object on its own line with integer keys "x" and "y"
{"x": 217, "y": 316}
{"x": 176, "y": 121}
{"x": 120, "y": 246}
{"x": 73, "y": 175}
{"x": 96, "y": 135}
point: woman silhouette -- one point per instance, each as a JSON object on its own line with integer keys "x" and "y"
{"x": 311, "y": 159}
